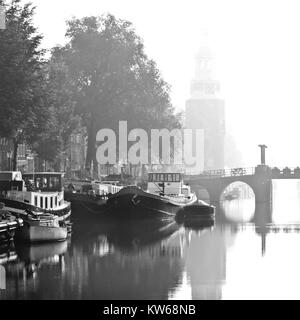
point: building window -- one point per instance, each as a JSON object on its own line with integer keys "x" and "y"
{"x": 46, "y": 203}
{"x": 35, "y": 200}
{"x": 56, "y": 201}
{"x": 51, "y": 202}
{"x": 41, "y": 202}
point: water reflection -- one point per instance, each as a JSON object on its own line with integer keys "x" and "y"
{"x": 205, "y": 262}
{"x": 251, "y": 253}
{"x": 286, "y": 201}
{"x": 239, "y": 210}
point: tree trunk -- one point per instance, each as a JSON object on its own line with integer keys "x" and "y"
{"x": 15, "y": 154}
{"x": 91, "y": 152}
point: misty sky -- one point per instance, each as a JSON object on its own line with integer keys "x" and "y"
{"x": 256, "y": 45}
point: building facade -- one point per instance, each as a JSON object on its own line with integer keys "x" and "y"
{"x": 6, "y": 154}
{"x": 74, "y": 161}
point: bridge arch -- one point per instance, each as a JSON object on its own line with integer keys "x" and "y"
{"x": 238, "y": 202}
{"x": 237, "y": 189}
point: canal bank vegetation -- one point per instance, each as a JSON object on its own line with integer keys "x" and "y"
{"x": 101, "y": 75}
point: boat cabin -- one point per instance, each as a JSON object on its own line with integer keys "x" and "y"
{"x": 11, "y": 180}
{"x": 167, "y": 183}
{"x": 44, "y": 181}
{"x": 39, "y": 189}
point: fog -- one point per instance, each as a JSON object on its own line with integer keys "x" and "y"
{"x": 256, "y": 49}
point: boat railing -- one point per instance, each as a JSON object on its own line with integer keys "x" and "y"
{"x": 115, "y": 189}
{"x": 103, "y": 189}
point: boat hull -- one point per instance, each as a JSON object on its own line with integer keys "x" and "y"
{"x": 198, "y": 213}
{"x": 132, "y": 202}
{"x": 19, "y": 208}
{"x": 31, "y": 233}
{"x": 91, "y": 203}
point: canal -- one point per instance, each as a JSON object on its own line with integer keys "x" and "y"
{"x": 251, "y": 252}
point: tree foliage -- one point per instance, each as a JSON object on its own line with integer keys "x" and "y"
{"x": 59, "y": 94}
{"x": 114, "y": 78}
{"x": 101, "y": 76}
{"x": 23, "y": 107}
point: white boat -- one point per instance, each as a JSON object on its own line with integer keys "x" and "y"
{"x": 38, "y": 198}
{"x": 38, "y": 192}
{"x": 42, "y": 228}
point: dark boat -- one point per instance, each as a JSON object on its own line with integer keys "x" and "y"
{"x": 90, "y": 202}
{"x": 198, "y": 225}
{"x": 200, "y": 212}
{"x": 165, "y": 196}
{"x": 91, "y": 196}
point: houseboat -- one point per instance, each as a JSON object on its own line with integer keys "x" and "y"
{"x": 166, "y": 194}
{"x": 37, "y": 198}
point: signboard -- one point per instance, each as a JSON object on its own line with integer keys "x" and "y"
{"x": 164, "y": 177}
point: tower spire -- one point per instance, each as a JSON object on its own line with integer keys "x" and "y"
{"x": 204, "y": 84}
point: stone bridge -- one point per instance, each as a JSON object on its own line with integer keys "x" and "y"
{"x": 258, "y": 178}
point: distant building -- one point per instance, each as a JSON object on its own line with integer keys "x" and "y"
{"x": 77, "y": 152}
{"x": 22, "y": 161}
{"x": 6, "y": 154}
{"x": 205, "y": 110}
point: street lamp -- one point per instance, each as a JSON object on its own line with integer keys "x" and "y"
{"x": 262, "y": 154}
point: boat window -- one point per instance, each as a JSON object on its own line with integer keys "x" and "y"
{"x": 164, "y": 177}
{"x": 46, "y": 203}
{"x": 45, "y": 182}
{"x": 51, "y": 202}
{"x": 38, "y": 183}
{"x": 35, "y": 200}
{"x": 41, "y": 202}
{"x": 54, "y": 183}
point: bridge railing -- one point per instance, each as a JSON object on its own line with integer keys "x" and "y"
{"x": 277, "y": 172}
{"x": 227, "y": 172}
{"x": 286, "y": 172}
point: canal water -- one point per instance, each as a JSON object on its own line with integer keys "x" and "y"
{"x": 251, "y": 252}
